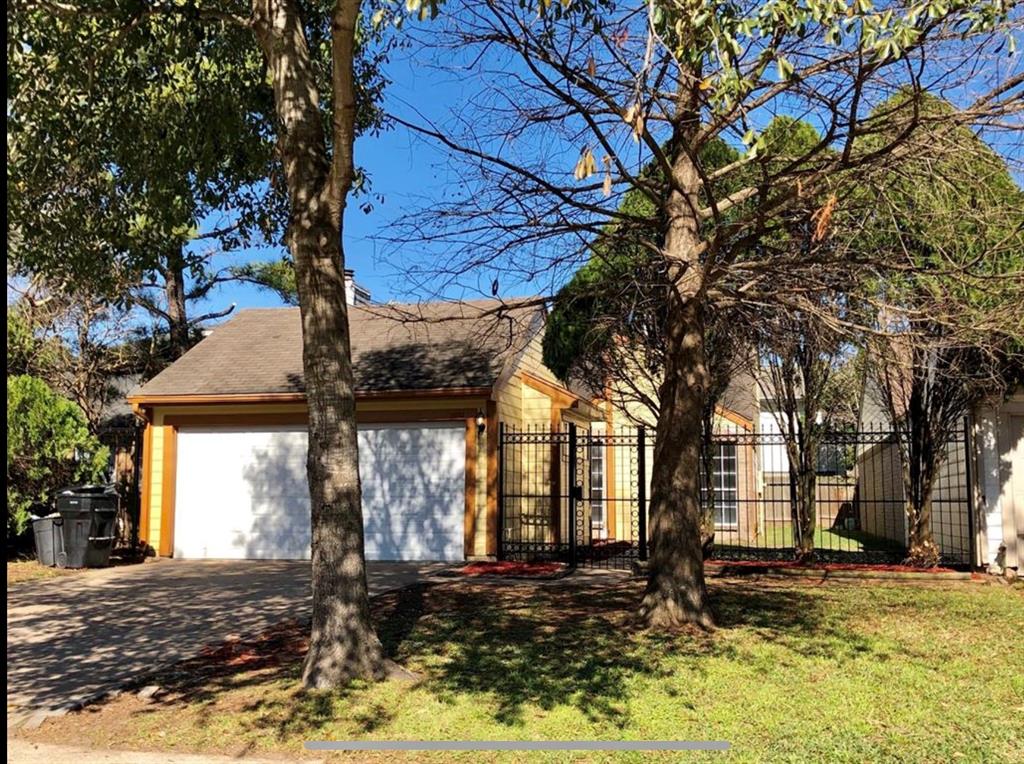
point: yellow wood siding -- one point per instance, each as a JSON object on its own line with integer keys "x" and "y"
{"x": 156, "y": 485}
{"x": 532, "y": 361}
{"x": 536, "y": 408}
{"x": 481, "y": 529}
{"x": 509, "y": 397}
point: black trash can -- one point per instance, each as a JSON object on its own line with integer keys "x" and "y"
{"x": 49, "y": 538}
{"x": 87, "y": 515}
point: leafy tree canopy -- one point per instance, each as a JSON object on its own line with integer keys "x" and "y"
{"x": 123, "y": 138}
{"x": 134, "y": 138}
{"x": 277, "y": 276}
{"x": 952, "y": 215}
{"x": 48, "y": 447}
{"x": 618, "y": 295}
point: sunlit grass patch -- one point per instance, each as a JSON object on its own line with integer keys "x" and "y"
{"x": 795, "y": 671}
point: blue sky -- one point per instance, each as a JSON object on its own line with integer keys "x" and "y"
{"x": 402, "y": 168}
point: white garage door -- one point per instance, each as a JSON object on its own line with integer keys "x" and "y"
{"x": 241, "y": 493}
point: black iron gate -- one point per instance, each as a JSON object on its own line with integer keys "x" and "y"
{"x": 573, "y": 495}
{"x": 579, "y": 495}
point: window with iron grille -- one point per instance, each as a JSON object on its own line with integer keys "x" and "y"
{"x": 724, "y": 482}
{"x": 597, "y": 483}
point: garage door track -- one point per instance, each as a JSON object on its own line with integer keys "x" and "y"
{"x": 72, "y": 638}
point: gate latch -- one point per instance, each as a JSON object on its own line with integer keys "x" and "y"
{"x": 576, "y": 493}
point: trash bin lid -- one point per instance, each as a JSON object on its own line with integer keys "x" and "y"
{"x": 87, "y": 490}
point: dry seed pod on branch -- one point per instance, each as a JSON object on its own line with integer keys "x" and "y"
{"x": 586, "y": 166}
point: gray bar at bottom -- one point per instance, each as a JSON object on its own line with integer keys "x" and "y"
{"x": 517, "y": 745}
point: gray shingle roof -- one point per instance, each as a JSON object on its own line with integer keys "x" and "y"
{"x": 394, "y": 347}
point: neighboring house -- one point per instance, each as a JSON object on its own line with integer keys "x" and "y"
{"x": 750, "y": 477}
{"x": 835, "y": 482}
{"x": 224, "y": 468}
{"x": 983, "y": 471}
{"x": 999, "y": 454}
{"x": 880, "y": 495}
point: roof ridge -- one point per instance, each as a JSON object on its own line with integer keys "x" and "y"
{"x": 513, "y": 302}
{"x": 455, "y": 344}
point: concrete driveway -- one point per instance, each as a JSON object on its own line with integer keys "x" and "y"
{"x": 71, "y": 638}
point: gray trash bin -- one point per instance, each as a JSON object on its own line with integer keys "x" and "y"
{"x": 48, "y": 533}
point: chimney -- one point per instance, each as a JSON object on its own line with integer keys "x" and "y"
{"x": 355, "y": 294}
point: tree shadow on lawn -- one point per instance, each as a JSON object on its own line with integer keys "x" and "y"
{"x": 515, "y": 647}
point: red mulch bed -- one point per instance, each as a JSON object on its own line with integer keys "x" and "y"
{"x": 515, "y": 569}
{"x": 828, "y": 566}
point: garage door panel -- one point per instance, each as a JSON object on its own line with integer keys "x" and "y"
{"x": 273, "y": 543}
{"x": 242, "y": 494}
{"x": 274, "y": 469}
{"x": 413, "y": 484}
{"x": 414, "y": 547}
{"x": 413, "y": 515}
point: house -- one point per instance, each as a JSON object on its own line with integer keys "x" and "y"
{"x": 999, "y": 457}
{"x": 750, "y": 477}
{"x": 225, "y": 438}
{"x": 736, "y": 473}
{"x": 465, "y": 451}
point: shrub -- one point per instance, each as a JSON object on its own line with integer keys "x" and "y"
{"x": 48, "y": 447}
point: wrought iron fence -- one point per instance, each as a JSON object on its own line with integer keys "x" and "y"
{"x": 572, "y": 495}
{"x": 580, "y": 495}
{"x": 859, "y": 500}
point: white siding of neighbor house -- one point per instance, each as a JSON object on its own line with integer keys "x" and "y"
{"x": 999, "y": 445}
{"x": 990, "y": 512}
{"x": 773, "y": 456}
{"x": 880, "y": 491}
{"x": 1013, "y": 522}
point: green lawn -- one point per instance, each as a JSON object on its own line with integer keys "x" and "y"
{"x": 795, "y": 672}
{"x": 779, "y": 535}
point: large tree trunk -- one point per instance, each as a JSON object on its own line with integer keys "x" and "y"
{"x": 177, "y": 314}
{"x": 676, "y": 593}
{"x": 343, "y": 644}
